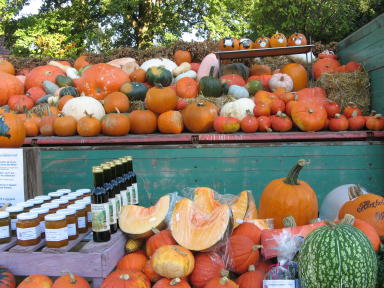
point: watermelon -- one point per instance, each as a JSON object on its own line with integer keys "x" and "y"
{"x": 380, "y": 270}
{"x": 337, "y": 255}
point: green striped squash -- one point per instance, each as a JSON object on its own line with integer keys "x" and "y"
{"x": 337, "y": 256}
{"x": 380, "y": 270}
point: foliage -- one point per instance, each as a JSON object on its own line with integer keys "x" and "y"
{"x": 8, "y": 10}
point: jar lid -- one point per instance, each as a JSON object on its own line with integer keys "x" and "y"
{"x": 60, "y": 201}
{"x": 84, "y": 190}
{"x": 67, "y": 211}
{"x": 56, "y": 194}
{"x": 27, "y": 216}
{"x": 64, "y": 190}
{"x": 50, "y": 205}
{"x": 4, "y": 214}
{"x": 41, "y": 210}
{"x": 69, "y": 197}
{"x": 36, "y": 201}
{"x": 88, "y": 198}
{"x": 25, "y": 204}
{"x": 44, "y": 197}
{"x": 77, "y": 194}
{"x": 15, "y": 208}
{"x": 77, "y": 206}
{"x": 54, "y": 217}
{"x": 83, "y": 201}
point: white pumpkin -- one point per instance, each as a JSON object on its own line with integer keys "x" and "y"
{"x": 238, "y": 108}
{"x": 183, "y": 67}
{"x": 128, "y": 65}
{"x": 205, "y": 66}
{"x": 334, "y": 200}
{"x": 238, "y": 91}
{"x": 70, "y": 71}
{"x": 78, "y": 106}
{"x": 280, "y": 80}
{"x": 189, "y": 73}
{"x": 166, "y": 63}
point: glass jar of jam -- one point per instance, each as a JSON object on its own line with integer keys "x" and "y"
{"x": 41, "y": 212}
{"x": 63, "y": 203}
{"x": 56, "y": 231}
{"x": 36, "y": 202}
{"x": 65, "y": 191}
{"x": 87, "y": 202}
{"x": 71, "y": 222}
{"x": 71, "y": 198}
{"x": 5, "y": 227}
{"x": 27, "y": 205}
{"x": 79, "y": 195}
{"x": 86, "y": 191}
{"x": 45, "y": 198}
{"x": 53, "y": 207}
{"x": 13, "y": 212}
{"x": 55, "y": 195}
{"x": 81, "y": 216}
{"x": 28, "y": 229}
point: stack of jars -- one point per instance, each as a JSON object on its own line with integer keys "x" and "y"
{"x": 58, "y": 217}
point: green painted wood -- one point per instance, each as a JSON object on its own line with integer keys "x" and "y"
{"x": 377, "y": 89}
{"x": 227, "y": 168}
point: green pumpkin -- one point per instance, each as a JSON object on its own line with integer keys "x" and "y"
{"x": 134, "y": 90}
{"x": 44, "y": 99}
{"x": 235, "y": 68}
{"x": 337, "y": 255}
{"x": 211, "y": 86}
{"x": 159, "y": 75}
{"x": 63, "y": 81}
{"x": 50, "y": 87}
{"x": 254, "y": 86}
{"x": 69, "y": 91}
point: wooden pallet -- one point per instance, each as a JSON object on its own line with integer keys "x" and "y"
{"x": 82, "y": 256}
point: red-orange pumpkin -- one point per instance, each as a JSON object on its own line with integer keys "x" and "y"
{"x": 160, "y": 238}
{"x": 326, "y": 65}
{"x": 249, "y": 230}
{"x": 150, "y": 273}
{"x": 12, "y": 131}
{"x": 81, "y": 61}
{"x": 143, "y": 121}
{"x": 126, "y": 279}
{"x": 207, "y": 266}
{"x": 36, "y": 93}
{"x": 308, "y": 116}
{"x": 20, "y": 103}
{"x": 65, "y": 126}
{"x": 36, "y": 280}
{"x": 115, "y": 124}
{"x": 198, "y": 117}
{"x": 315, "y": 94}
{"x": 46, "y": 125}
{"x": 171, "y": 283}
{"x": 41, "y": 73}
{"x": 242, "y": 253}
{"x": 70, "y": 280}
{"x": 7, "y": 280}
{"x": 181, "y": 56}
{"x": 187, "y": 87}
{"x": 160, "y": 100}
{"x": 221, "y": 282}
{"x": 232, "y": 79}
{"x": 134, "y": 261}
{"x": 9, "y": 85}
{"x": 264, "y": 79}
{"x": 258, "y": 69}
{"x": 251, "y": 279}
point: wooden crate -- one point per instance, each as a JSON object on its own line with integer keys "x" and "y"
{"x": 82, "y": 256}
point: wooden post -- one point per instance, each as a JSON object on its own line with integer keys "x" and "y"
{"x": 33, "y": 185}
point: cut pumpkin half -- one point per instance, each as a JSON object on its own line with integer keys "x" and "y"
{"x": 204, "y": 199}
{"x": 199, "y": 231}
{"x": 138, "y": 221}
{"x": 244, "y": 208}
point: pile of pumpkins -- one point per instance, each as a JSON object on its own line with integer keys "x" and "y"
{"x": 89, "y": 99}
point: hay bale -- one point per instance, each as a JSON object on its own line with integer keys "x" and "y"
{"x": 347, "y": 87}
{"x": 218, "y": 101}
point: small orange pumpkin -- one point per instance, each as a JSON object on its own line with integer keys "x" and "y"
{"x": 181, "y": 56}
{"x": 278, "y": 40}
{"x": 251, "y": 279}
{"x": 150, "y": 273}
{"x": 126, "y": 278}
{"x": 115, "y": 124}
{"x": 36, "y": 280}
{"x": 258, "y": 69}
{"x": 249, "y": 230}
{"x": 31, "y": 128}
{"x": 9, "y": 85}
{"x": 160, "y": 100}
{"x": 187, "y": 87}
{"x": 143, "y": 121}
{"x": 297, "y": 39}
{"x": 245, "y": 44}
{"x": 207, "y": 266}
{"x": 242, "y": 253}
{"x": 65, "y": 126}
{"x": 88, "y": 126}
{"x": 70, "y": 280}
{"x": 138, "y": 75}
{"x": 262, "y": 42}
{"x": 12, "y": 131}
{"x": 134, "y": 261}
{"x": 7, "y": 67}
{"x": 228, "y": 44}
{"x": 308, "y": 116}
{"x": 46, "y": 125}
{"x": 81, "y": 61}
{"x": 170, "y": 122}
{"x": 116, "y": 100}
{"x": 170, "y": 283}
{"x": 221, "y": 282}
{"x": 160, "y": 238}
{"x": 64, "y": 100}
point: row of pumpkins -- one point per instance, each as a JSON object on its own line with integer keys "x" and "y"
{"x": 205, "y": 243}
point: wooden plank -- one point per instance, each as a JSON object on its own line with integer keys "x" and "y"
{"x": 69, "y": 247}
{"x": 27, "y": 249}
{"x": 377, "y": 89}
{"x": 101, "y": 246}
{"x": 6, "y": 246}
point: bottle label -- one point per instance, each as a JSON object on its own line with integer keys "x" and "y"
{"x": 123, "y": 195}
{"x": 118, "y": 205}
{"x": 28, "y": 233}
{"x": 135, "y": 194}
{"x": 42, "y": 226}
{"x": 129, "y": 195}
{"x": 81, "y": 222}
{"x": 89, "y": 216}
{"x": 100, "y": 217}
{"x": 72, "y": 229}
{"x": 4, "y": 232}
{"x": 56, "y": 234}
{"x": 112, "y": 211}
{"x": 13, "y": 224}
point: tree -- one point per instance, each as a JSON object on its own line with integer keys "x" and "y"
{"x": 8, "y": 10}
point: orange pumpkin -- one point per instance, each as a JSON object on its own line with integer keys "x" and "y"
{"x": 368, "y": 207}
{"x": 258, "y": 69}
{"x": 298, "y": 73}
{"x": 70, "y": 280}
{"x": 133, "y": 261}
{"x": 81, "y": 61}
{"x": 207, "y": 266}
{"x": 264, "y": 79}
{"x": 9, "y": 85}
{"x": 160, "y": 100}
{"x": 284, "y": 95}
{"x": 88, "y": 126}
{"x": 150, "y": 273}
{"x": 126, "y": 279}
{"x": 12, "y": 131}
{"x": 221, "y": 282}
{"x": 173, "y": 261}
{"x": 170, "y": 122}
{"x": 36, "y": 280}
{"x": 169, "y": 283}
{"x": 198, "y": 117}
{"x": 20, "y": 103}
{"x": 100, "y": 80}
{"x": 115, "y": 124}
{"x": 160, "y": 238}
{"x": 297, "y": 39}
{"x": 187, "y": 87}
{"x": 31, "y": 128}
{"x": 181, "y": 56}
{"x": 46, "y": 125}
{"x": 262, "y": 42}
{"x": 251, "y": 279}
{"x": 41, "y": 73}
{"x": 143, "y": 121}
{"x": 249, "y": 230}
{"x": 309, "y": 116}
{"x": 245, "y": 44}
{"x": 228, "y": 44}
{"x": 116, "y": 100}
{"x": 35, "y": 93}
{"x": 278, "y": 40}
{"x": 315, "y": 94}
{"x": 326, "y": 65}
{"x": 64, "y": 126}
{"x": 138, "y": 75}
{"x": 289, "y": 197}
{"x": 242, "y": 253}
{"x": 7, "y": 67}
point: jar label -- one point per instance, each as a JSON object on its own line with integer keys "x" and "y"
{"x": 4, "y": 232}
{"x": 42, "y": 226}
{"x": 135, "y": 194}
{"x": 72, "y": 229}
{"x": 13, "y": 224}
{"x": 89, "y": 216}
{"x": 112, "y": 211}
{"x": 129, "y": 195}
{"x": 118, "y": 205}
{"x": 31, "y": 233}
{"x": 53, "y": 235}
{"x": 81, "y": 223}
{"x": 100, "y": 217}
{"x": 124, "y": 199}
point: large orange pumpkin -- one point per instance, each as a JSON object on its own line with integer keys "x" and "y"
{"x": 207, "y": 266}
{"x": 126, "y": 279}
{"x": 289, "y": 197}
{"x": 7, "y": 67}
{"x": 368, "y": 207}
{"x": 9, "y": 85}
{"x": 309, "y": 116}
{"x": 143, "y": 121}
{"x": 81, "y": 61}
{"x": 100, "y": 80}
{"x": 298, "y": 73}
{"x": 36, "y": 280}
{"x": 326, "y": 65}
{"x": 41, "y": 73}
{"x": 160, "y": 238}
{"x": 198, "y": 117}
{"x": 243, "y": 252}
{"x": 133, "y": 261}
{"x": 160, "y": 100}
{"x": 169, "y": 283}
{"x": 70, "y": 280}
{"x": 12, "y": 131}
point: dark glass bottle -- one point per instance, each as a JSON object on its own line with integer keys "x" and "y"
{"x": 135, "y": 192}
{"x": 120, "y": 184}
{"x": 115, "y": 185}
{"x": 124, "y": 176}
{"x": 111, "y": 195}
{"x": 99, "y": 207}
{"x": 128, "y": 181}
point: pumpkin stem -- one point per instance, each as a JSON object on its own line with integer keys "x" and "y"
{"x": 282, "y": 78}
{"x": 251, "y": 268}
{"x": 337, "y": 115}
{"x": 155, "y": 230}
{"x": 211, "y": 71}
{"x": 269, "y": 130}
{"x": 256, "y": 247}
{"x": 348, "y": 219}
{"x": 289, "y": 222}
{"x": 223, "y": 281}
{"x": 72, "y": 278}
{"x": 200, "y": 104}
{"x": 158, "y": 85}
{"x": 124, "y": 277}
{"x": 354, "y": 192}
{"x": 175, "y": 281}
{"x": 117, "y": 110}
{"x": 294, "y": 173}
{"x": 330, "y": 224}
{"x": 224, "y": 273}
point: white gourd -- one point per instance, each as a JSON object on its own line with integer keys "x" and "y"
{"x": 166, "y": 63}
{"x": 280, "y": 80}
{"x": 238, "y": 91}
{"x": 189, "y": 73}
{"x": 183, "y": 67}
{"x": 70, "y": 71}
{"x": 238, "y": 108}
{"x": 78, "y": 107}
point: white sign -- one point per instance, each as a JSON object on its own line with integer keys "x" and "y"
{"x": 279, "y": 284}
{"x": 11, "y": 176}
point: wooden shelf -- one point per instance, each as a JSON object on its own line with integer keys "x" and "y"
{"x": 264, "y": 52}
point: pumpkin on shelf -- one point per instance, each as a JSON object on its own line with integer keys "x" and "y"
{"x": 160, "y": 238}
{"x": 143, "y": 121}
{"x": 278, "y": 40}
{"x": 88, "y": 126}
{"x": 41, "y": 73}
{"x": 207, "y": 266}
{"x": 7, "y": 279}
{"x": 251, "y": 279}
{"x": 221, "y": 282}
{"x": 262, "y": 42}
{"x": 133, "y": 261}
{"x": 228, "y": 44}
{"x": 79, "y": 107}
{"x": 31, "y": 128}
{"x": 338, "y": 123}
{"x": 298, "y": 74}
{"x": 309, "y": 116}
{"x": 12, "y": 131}
{"x": 126, "y": 278}
{"x": 169, "y": 283}
{"x": 36, "y": 280}
{"x": 356, "y": 122}
{"x": 160, "y": 99}
{"x": 64, "y": 126}
{"x": 198, "y": 117}
{"x": 280, "y": 80}
{"x": 70, "y": 280}
{"x": 181, "y": 56}
{"x": 115, "y": 124}
{"x": 249, "y": 123}
{"x": 245, "y": 44}
{"x": 116, "y": 100}
{"x": 238, "y": 108}
{"x": 297, "y": 39}
{"x": 224, "y": 124}
{"x": 289, "y": 197}
{"x": 170, "y": 122}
